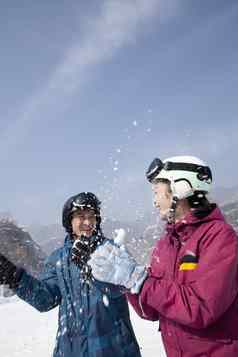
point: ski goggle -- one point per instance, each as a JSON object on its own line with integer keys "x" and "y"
{"x": 85, "y": 200}
{"x": 203, "y": 172}
{"x": 77, "y": 205}
{"x": 154, "y": 169}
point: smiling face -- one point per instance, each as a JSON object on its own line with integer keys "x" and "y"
{"x": 162, "y": 198}
{"x": 83, "y": 222}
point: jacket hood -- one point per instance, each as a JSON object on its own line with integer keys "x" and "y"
{"x": 69, "y": 240}
{"x": 191, "y": 220}
{"x": 214, "y": 214}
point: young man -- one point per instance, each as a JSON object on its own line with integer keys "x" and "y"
{"x": 93, "y": 317}
{"x": 191, "y": 285}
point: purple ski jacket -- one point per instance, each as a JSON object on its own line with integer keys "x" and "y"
{"x": 192, "y": 288}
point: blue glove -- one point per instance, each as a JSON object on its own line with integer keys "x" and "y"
{"x": 113, "y": 264}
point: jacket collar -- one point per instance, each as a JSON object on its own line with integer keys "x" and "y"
{"x": 68, "y": 241}
{"x": 182, "y": 230}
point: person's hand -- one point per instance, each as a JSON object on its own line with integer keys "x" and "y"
{"x": 9, "y": 274}
{"x": 81, "y": 251}
{"x": 113, "y": 264}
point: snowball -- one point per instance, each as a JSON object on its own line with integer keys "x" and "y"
{"x": 120, "y": 236}
{"x": 105, "y": 300}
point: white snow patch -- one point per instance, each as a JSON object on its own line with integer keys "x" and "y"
{"x": 105, "y": 300}
{"x": 33, "y": 333}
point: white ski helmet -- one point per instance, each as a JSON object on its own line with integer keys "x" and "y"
{"x": 186, "y": 174}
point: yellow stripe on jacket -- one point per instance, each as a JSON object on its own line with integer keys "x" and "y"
{"x": 188, "y": 266}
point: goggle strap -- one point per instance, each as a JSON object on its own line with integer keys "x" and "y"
{"x": 157, "y": 165}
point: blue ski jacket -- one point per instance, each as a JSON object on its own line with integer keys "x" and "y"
{"x": 93, "y": 317}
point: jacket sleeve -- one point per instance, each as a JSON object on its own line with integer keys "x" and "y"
{"x": 42, "y": 293}
{"x": 202, "y": 301}
{"x": 144, "y": 311}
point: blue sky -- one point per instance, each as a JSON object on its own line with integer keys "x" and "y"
{"x": 92, "y": 91}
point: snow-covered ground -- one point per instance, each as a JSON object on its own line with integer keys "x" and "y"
{"x": 26, "y": 332}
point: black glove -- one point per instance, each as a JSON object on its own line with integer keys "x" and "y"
{"x": 81, "y": 251}
{"x": 9, "y": 273}
{"x": 80, "y": 255}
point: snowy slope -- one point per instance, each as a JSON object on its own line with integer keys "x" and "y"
{"x": 26, "y": 332}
